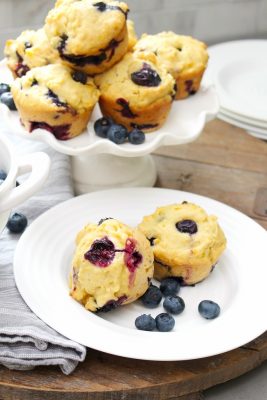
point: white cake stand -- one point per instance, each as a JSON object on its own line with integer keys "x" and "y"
{"x": 101, "y": 164}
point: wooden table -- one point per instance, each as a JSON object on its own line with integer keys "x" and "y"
{"x": 226, "y": 164}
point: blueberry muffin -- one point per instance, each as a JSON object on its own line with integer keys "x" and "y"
{"x": 88, "y": 35}
{"x": 31, "y": 49}
{"x": 183, "y": 56}
{"x": 186, "y": 241}
{"x": 136, "y": 92}
{"x": 55, "y": 98}
{"x": 112, "y": 265}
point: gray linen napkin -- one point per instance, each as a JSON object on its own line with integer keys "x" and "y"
{"x": 25, "y": 340}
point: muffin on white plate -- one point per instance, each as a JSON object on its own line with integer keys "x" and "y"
{"x": 112, "y": 265}
{"x": 186, "y": 241}
{"x": 55, "y": 98}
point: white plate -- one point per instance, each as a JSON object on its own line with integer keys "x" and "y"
{"x": 252, "y": 122}
{"x": 43, "y": 260}
{"x": 184, "y": 124}
{"x": 238, "y": 70}
{"x": 254, "y": 131}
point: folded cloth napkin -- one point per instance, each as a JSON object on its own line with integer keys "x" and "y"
{"x": 25, "y": 340}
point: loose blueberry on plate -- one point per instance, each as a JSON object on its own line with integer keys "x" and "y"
{"x": 152, "y": 297}
{"x": 7, "y": 99}
{"x": 101, "y": 126}
{"x": 117, "y": 134}
{"x": 3, "y": 174}
{"x": 17, "y": 223}
{"x": 165, "y": 322}
{"x": 174, "y": 305}
{"x": 136, "y": 136}
{"x": 169, "y": 286}
{"x": 209, "y": 309}
{"x": 4, "y": 88}
{"x": 145, "y": 323}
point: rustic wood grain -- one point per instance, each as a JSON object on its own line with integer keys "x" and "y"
{"x": 226, "y": 164}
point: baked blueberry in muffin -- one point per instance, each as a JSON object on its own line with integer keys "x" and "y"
{"x": 136, "y": 92}
{"x": 31, "y": 49}
{"x": 186, "y": 241}
{"x": 112, "y": 265}
{"x": 55, "y": 98}
{"x": 87, "y": 34}
{"x": 184, "y": 57}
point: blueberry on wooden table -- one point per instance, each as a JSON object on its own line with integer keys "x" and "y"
{"x": 7, "y": 99}
{"x": 17, "y": 223}
{"x": 209, "y": 309}
{"x": 145, "y": 323}
{"x": 174, "y": 305}
{"x": 165, "y": 322}
{"x": 170, "y": 286}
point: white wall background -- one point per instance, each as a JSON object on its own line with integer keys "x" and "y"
{"x": 209, "y": 20}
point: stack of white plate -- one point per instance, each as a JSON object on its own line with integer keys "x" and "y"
{"x": 239, "y": 72}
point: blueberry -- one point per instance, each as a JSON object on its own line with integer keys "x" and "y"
{"x": 4, "y": 88}
{"x": 145, "y": 323}
{"x": 187, "y": 226}
{"x": 165, "y": 322}
{"x": 152, "y": 297}
{"x": 3, "y": 174}
{"x": 152, "y": 241}
{"x": 101, "y": 253}
{"x": 208, "y": 309}
{"x": 146, "y": 77}
{"x": 17, "y": 223}
{"x": 136, "y": 136}
{"x": 174, "y": 305}
{"x": 7, "y": 99}
{"x": 117, "y": 134}
{"x": 102, "y": 126}
{"x": 79, "y": 76}
{"x": 169, "y": 286}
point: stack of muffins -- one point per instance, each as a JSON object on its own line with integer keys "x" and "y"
{"x": 88, "y": 52}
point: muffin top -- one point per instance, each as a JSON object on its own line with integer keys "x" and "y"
{"x": 183, "y": 233}
{"x": 32, "y": 49}
{"x": 177, "y": 53}
{"x": 112, "y": 263}
{"x": 137, "y": 78}
{"x": 55, "y": 86}
{"x": 85, "y": 27}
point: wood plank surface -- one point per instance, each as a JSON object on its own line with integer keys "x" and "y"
{"x": 228, "y": 165}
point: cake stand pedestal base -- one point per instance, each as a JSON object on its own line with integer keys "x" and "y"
{"x": 104, "y": 171}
